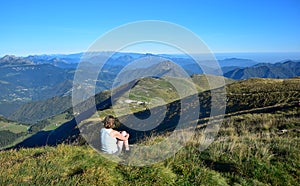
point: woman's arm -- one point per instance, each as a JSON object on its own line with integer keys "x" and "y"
{"x": 117, "y": 134}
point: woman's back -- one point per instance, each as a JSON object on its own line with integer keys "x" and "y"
{"x": 108, "y": 143}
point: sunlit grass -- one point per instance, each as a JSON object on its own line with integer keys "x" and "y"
{"x": 56, "y": 121}
{"x": 13, "y": 127}
{"x": 249, "y": 150}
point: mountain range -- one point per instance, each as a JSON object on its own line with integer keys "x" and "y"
{"x": 25, "y": 81}
{"x": 286, "y": 69}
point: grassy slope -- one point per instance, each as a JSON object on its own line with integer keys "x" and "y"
{"x": 145, "y": 90}
{"x": 56, "y": 121}
{"x": 17, "y": 128}
{"x": 157, "y": 92}
{"x": 249, "y": 151}
{"x": 13, "y": 127}
{"x": 11, "y": 132}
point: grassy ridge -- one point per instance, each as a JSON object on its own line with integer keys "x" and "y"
{"x": 250, "y": 150}
{"x": 253, "y": 95}
{"x": 145, "y": 90}
{"x": 258, "y": 144}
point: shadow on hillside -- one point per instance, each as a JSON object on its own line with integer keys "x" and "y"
{"x": 69, "y": 132}
{"x": 51, "y": 138}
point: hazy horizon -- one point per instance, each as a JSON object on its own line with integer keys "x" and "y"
{"x": 268, "y": 57}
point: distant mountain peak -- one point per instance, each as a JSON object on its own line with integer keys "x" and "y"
{"x": 125, "y": 58}
{"x": 164, "y": 65}
{"x": 14, "y": 60}
{"x": 9, "y": 57}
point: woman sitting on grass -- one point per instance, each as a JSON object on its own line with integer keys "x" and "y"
{"x": 112, "y": 141}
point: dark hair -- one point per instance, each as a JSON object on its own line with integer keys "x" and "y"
{"x": 109, "y": 121}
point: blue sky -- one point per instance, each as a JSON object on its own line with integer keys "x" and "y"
{"x": 65, "y": 26}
